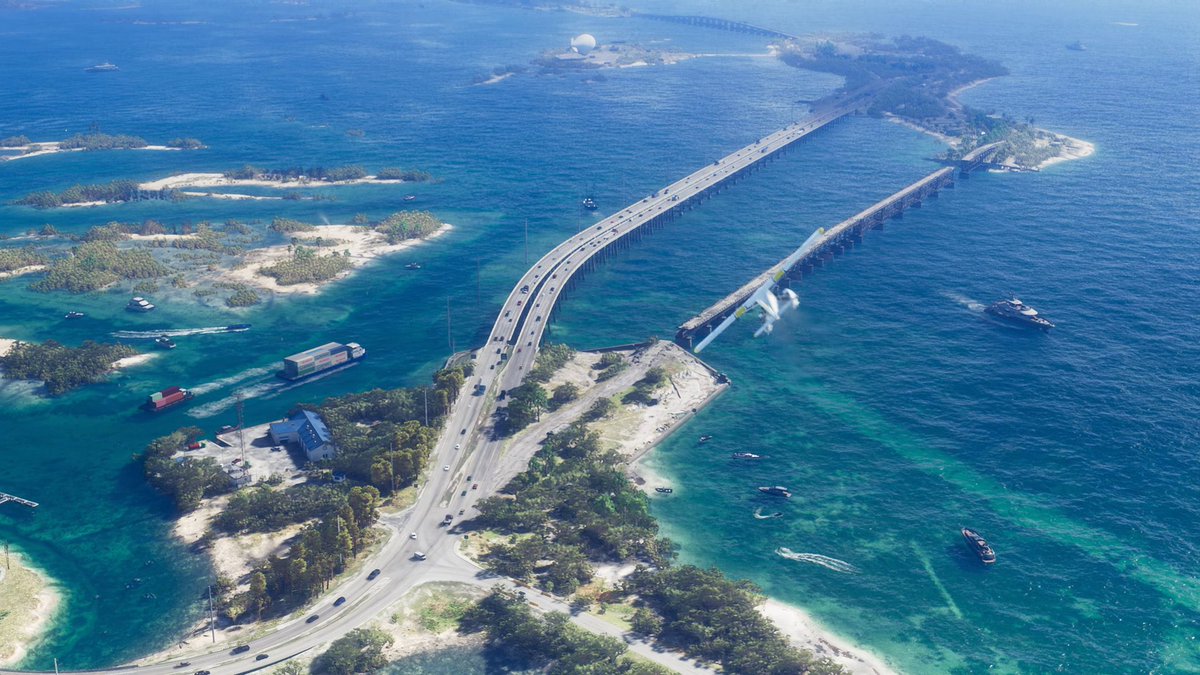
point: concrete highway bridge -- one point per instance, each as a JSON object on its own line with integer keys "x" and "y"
{"x": 837, "y": 239}
{"x": 719, "y": 24}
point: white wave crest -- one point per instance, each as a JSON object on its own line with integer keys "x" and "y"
{"x": 817, "y": 559}
{"x": 260, "y": 390}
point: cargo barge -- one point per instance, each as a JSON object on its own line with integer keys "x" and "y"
{"x": 321, "y": 359}
{"x": 161, "y": 400}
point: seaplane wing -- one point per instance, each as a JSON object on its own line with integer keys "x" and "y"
{"x": 764, "y": 297}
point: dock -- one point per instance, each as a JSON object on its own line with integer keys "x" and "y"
{"x": 837, "y": 238}
{"x": 5, "y": 498}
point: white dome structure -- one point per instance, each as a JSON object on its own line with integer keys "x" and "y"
{"x": 583, "y": 43}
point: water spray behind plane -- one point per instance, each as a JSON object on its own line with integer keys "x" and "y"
{"x": 764, "y": 297}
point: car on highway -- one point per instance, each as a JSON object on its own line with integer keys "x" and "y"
{"x": 474, "y": 486}
{"x": 240, "y": 649}
{"x": 464, "y": 494}
{"x": 420, "y": 556}
{"x": 412, "y": 536}
{"x": 262, "y": 657}
{"x": 446, "y": 467}
{"x": 184, "y": 664}
{"x": 312, "y": 619}
{"x": 201, "y": 672}
{"x": 374, "y": 573}
{"x": 458, "y": 446}
{"x": 340, "y": 601}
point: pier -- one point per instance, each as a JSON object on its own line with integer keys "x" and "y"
{"x": 837, "y": 239}
{"x": 5, "y": 498}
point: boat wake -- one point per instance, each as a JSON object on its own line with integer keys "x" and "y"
{"x": 816, "y": 559}
{"x": 174, "y": 332}
{"x": 758, "y": 514}
{"x": 259, "y": 390}
{"x": 231, "y": 380}
{"x": 973, "y": 305}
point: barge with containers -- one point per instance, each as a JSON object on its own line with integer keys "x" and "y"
{"x": 171, "y": 396}
{"x": 318, "y": 360}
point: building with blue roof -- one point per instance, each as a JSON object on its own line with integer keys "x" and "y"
{"x": 308, "y": 430}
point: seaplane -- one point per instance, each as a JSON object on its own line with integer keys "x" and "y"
{"x": 771, "y": 306}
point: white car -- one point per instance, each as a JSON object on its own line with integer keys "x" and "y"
{"x": 413, "y": 535}
{"x": 446, "y": 468}
{"x": 458, "y": 446}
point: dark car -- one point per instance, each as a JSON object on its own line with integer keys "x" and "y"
{"x": 312, "y": 618}
{"x": 184, "y": 664}
{"x": 202, "y": 672}
{"x": 240, "y": 649}
{"x": 372, "y": 575}
{"x": 261, "y": 657}
{"x": 339, "y": 602}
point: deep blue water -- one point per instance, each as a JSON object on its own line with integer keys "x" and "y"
{"x": 896, "y": 412}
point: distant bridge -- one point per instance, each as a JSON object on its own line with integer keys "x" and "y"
{"x": 838, "y": 238}
{"x": 719, "y": 24}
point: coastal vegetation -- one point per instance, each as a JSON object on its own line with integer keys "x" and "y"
{"x": 185, "y": 480}
{"x": 14, "y": 141}
{"x": 101, "y": 141}
{"x": 381, "y": 438}
{"x": 185, "y": 143}
{"x": 359, "y": 651}
{"x": 710, "y": 617}
{"x": 644, "y": 389}
{"x": 579, "y": 506}
{"x": 405, "y": 225}
{"x": 289, "y": 225}
{"x": 115, "y": 191}
{"x": 62, "y": 368}
{"x": 243, "y": 297}
{"x": 526, "y": 403}
{"x": 550, "y": 358}
{"x": 406, "y": 175}
{"x": 549, "y": 644}
{"x": 96, "y": 264}
{"x": 16, "y": 258}
{"x": 306, "y": 265}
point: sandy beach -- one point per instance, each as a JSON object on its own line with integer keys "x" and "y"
{"x": 364, "y": 245}
{"x": 135, "y": 360}
{"x": 804, "y": 631}
{"x": 1072, "y": 148}
{"x": 206, "y": 180}
{"x": 6, "y": 344}
{"x": 29, "y": 269}
{"x": 29, "y": 601}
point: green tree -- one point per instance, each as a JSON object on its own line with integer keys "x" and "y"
{"x": 359, "y": 651}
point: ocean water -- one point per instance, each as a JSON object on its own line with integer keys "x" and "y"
{"x": 893, "y": 409}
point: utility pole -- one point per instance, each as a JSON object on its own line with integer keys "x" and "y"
{"x": 449, "y": 333}
{"x": 212, "y": 617}
{"x": 241, "y": 420}
{"x": 56, "y": 665}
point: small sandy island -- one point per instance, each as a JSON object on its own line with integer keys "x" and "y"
{"x": 202, "y": 180}
{"x": 29, "y": 601}
{"x": 363, "y": 244}
{"x": 52, "y": 148}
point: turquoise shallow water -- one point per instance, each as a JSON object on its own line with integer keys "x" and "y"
{"x": 895, "y": 411}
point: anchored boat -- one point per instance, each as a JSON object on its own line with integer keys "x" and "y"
{"x": 139, "y": 304}
{"x": 1018, "y": 312}
{"x": 980, "y": 546}
{"x": 746, "y": 455}
{"x": 777, "y": 491}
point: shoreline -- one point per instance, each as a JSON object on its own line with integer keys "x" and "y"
{"x": 209, "y": 180}
{"x": 52, "y": 148}
{"x": 33, "y": 604}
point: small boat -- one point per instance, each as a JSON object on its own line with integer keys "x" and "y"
{"x": 664, "y": 490}
{"x": 705, "y": 439}
{"x": 1016, "y": 311}
{"x": 777, "y": 491}
{"x": 1077, "y": 46}
{"x": 105, "y": 67}
{"x": 164, "y": 341}
{"x": 139, "y": 304}
{"x": 745, "y": 455}
{"x": 412, "y": 266}
{"x": 980, "y": 546}
{"x": 166, "y": 398}
{"x": 237, "y": 328}
{"x": 410, "y": 198}
{"x": 590, "y": 204}
{"x": 74, "y": 315}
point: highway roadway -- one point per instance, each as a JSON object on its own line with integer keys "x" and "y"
{"x": 468, "y": 452}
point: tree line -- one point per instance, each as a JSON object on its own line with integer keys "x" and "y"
{"x": 62, "y": 368}
{"x": 96, "y": 264}
{"x": 114, "y": 191}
